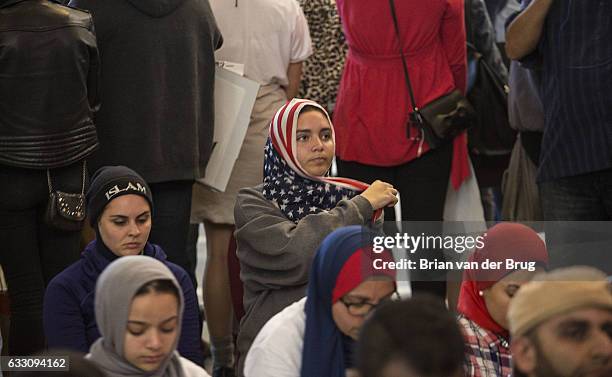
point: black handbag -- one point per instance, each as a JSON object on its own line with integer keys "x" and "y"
{"x": 66, "y": 211}
{"x": 442, "y": 119}
{"x": 491, "y": 134}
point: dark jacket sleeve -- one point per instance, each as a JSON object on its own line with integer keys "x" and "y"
{"x": 93, "y": 77}
{"x": 63, "y": 321}
{"x": 215, "y": 33}
{"x": 189, "y": 344}
{"x": 482, "y": 36}
{"x": 274, "y": 251}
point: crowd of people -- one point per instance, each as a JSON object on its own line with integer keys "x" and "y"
{"x": 107, "y": 122}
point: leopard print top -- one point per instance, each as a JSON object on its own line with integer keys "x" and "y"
{"x": 322, "y": 71}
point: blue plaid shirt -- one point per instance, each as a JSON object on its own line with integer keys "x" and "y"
{"x": 575, "y": 54}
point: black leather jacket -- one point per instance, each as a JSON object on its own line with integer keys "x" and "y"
{"x": 49, "y": 68}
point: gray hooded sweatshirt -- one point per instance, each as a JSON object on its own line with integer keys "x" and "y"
{"x": 156, "y": 85}
{"x": 275, "y": 255}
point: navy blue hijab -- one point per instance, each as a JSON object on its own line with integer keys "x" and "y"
{"x": 326, "y": 350}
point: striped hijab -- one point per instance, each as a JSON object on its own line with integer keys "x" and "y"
{"x": 286, "y": 183}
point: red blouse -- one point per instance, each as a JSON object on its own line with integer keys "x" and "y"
{"x": 373, "y": 104}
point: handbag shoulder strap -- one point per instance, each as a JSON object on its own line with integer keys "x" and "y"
{"x": 82, "y": 179}
{"x": 415, "y": 108}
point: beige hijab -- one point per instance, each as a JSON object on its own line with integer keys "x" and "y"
{"x": 115, "y": 290}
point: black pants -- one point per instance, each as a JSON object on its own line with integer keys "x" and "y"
{"x": 172, "y": 202}
{"x": 422, "y": 184}
{"x": 32, "y": 253}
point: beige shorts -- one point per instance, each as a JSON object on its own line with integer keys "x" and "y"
{"x": 218, "y": 207}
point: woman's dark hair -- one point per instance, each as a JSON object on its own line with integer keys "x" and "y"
{"x": 309, "y": 108}
{"x": 419, "y": 333}
{"x": 158, "y": 286}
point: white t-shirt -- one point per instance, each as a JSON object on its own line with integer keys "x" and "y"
{"x": 192, "y": 369}
{"x": 264, "y": 35}
{"x": 277, "y": 349}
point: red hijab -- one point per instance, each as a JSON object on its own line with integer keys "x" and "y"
{"x": 502, "y": 241}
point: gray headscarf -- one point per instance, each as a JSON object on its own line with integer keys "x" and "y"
{"x": 115, "y": 290}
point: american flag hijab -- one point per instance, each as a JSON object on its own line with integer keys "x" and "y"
{"x": 286, "y": 183}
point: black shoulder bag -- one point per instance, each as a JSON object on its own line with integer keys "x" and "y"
{"x": 443, "y": 118}
{"x": 66, "y": 211}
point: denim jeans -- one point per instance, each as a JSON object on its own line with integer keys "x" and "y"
{"x": 586, "y": 197}
{"x": 578, "y": 211}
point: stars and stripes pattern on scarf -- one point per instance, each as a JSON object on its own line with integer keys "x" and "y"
{"x": 286, "y": 183}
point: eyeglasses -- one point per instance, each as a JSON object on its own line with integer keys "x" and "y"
{"x": 363, "y": 308}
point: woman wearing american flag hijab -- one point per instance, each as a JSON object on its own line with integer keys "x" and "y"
{"x": 280, "y": 223}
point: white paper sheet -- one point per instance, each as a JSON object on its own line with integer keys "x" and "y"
{"x": 234, "y": 100}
